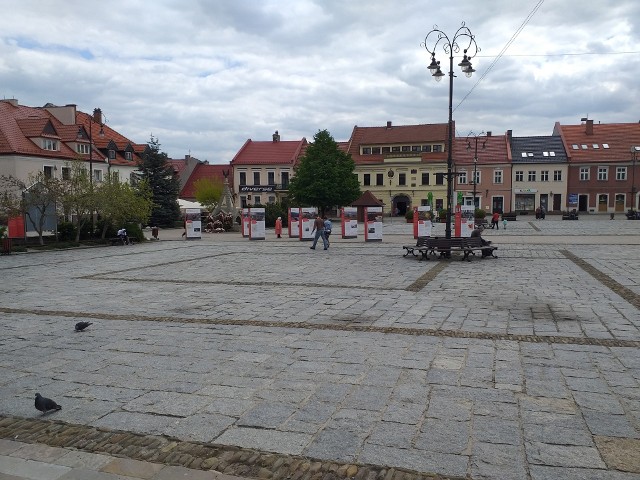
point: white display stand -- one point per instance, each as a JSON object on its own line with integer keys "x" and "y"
{"x": 307, "y": 217}
{"x": 245, "y": 222}
{"x": 257, "y": 229}
{"x": 193, "y": 223}
{"x": 294, "y": 222}
{"x": 349, "y": 222}
{"x": 373, "y": 224}
{"x": 422, "y": 221}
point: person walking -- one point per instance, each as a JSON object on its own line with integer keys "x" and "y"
{"x": 318, "y": 227}
{"x": 494, "y": 220}
{"x": 504, "y": 223}
{"x": 327, "y": 229}
{"x": 279, "y": 227}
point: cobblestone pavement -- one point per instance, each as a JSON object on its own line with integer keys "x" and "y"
{"x": 265, "y": 359}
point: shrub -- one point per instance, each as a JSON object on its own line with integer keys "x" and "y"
{"x": 134, "y": 231}
{"x": 66, "y": 232}
{"x": 479, "y": 213}
{"x": 409, "y": 214}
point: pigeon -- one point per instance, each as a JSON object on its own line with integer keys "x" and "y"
{"x": 80, "y": 326}
{"x": 45, "y": 404}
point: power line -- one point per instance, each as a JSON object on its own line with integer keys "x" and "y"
{"x": 558, "y": 54}
{"x": 504, "y": 49}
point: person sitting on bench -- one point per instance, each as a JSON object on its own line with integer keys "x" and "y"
{"x": 122, "y": 234}
{"x": 486, "y": 252}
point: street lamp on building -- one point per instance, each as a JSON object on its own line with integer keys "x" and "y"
{"x": 450, "y": 46}
{"x": 92, "y": 119}
{"x": 475, "y": 137}
{"x": 634, "y": 156}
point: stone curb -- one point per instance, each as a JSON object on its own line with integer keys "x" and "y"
{"x": 225, "y": 459}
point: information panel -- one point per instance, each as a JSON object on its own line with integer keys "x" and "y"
{"x": 373, "y": 224}
{"x": 245, "y": 222}
{"x": 307, "y": 216}
{"x": 422, "y": 221}
{"x": 294, "y": 222}
{"x": 465, "y": 222}
{"x": 193, "y": 223}
{"x": 349, "y": 222}
{"x": 257, "y": 228}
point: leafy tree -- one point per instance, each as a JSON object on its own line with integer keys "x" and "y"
{"x": 120, "y": 203}
{"x": 34, "y": 199}
{"x": 208, "y": 192}
{"x": 325, "y": 175}
{"x": 164, "y": 186}
{"x": 78, "y": 196}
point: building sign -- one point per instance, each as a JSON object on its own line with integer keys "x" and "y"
{"x": 257, "y": 188}
{"x": 525, "y": 190}
{"x": 573, "y": 199}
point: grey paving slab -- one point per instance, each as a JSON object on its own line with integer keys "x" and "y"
{"x": 506, "y": 374}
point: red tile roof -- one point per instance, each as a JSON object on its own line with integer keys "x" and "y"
{"x": 203, "y": 170}
{"x": 269, "y": 153}
{"x": 619, "y": 137}
{"x": 367, "y": 199}
{"x": 102, "y": 140}
{"x": 495, "y": 150}
{"x": 397, "y": 135}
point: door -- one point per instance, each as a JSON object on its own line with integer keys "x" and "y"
{"x": 620, "y": 202}
{"x": 583, "y": 203}
{"x": 557, "y": 199}
{"x": 544, "y": 201}
{"x": 497, "y": 204}
{"x": 603, "y": 201}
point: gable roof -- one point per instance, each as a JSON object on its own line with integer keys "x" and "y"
{"x": 596, "y": 142}
{"x": 399, "y": 135}
{"x": 539, "y": 149}
{"x": 367, "y": 199}
{"x": 204, "y": 170}
{"x": 269, "y": 153}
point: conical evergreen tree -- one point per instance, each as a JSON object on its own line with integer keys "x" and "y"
{"x": 165, "y": 187}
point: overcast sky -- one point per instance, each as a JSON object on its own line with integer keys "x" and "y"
{"x": 203, "y": 76}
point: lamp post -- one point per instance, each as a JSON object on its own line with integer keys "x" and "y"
{"x": 634, "y": 155}
{"x": 475, "y": 159}
{"x": 92, "y": 120}
{"x": 450, "y": 47}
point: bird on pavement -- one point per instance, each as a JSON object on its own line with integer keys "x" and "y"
{"x": 80, "y": 326}
{"x": 45, "y": 404}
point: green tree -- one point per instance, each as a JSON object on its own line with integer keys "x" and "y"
{"x": 165, "y": 187}
{"x": 78, "y": 196}
{"x": 325, "y": 175}
{"x": 120, "y": 203}
{"x": 34, "y": 199}
{"x": 208, "y": 192}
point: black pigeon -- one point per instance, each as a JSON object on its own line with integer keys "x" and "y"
{"x": 45, "y": 404}
{"x": 80, "y": 326}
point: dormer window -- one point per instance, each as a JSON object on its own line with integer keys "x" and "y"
{"x": 128, "y": 155}
{"x": 82, "y": 148}
{"x": 112, "y": 154}
{"x": 605, "y": 145}
{"x": 49, "y": 144}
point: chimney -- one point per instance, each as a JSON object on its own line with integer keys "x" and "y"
{"x": 389, "y": 124}
{"x": 97, "y": 116}
{"x": 12, "y": 101}
{"x": 589, "y": 127}
{"x": 276, "y": 137}
{"x": 509, "y": 135}
{"x": 489, "y": 133}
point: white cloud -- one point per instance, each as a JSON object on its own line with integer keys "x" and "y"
{"x": 205, "y": 76}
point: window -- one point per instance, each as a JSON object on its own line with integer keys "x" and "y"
{"x": 366, "y": 179}
{"x": 116, "y": 177}
{"x": 379, "y": 179}
{"x": 406, "y": 148}
{"x": 462, "y": 177}
{"x": 575, "y": 146}
{"x": 375, "y": 150}
{"x": 621, "y": 173}
{"x": 243, "y": 178}
{"x": 285, "y": 179}
{"x": 532, "y": 175}
{"x": 402, "y": 179}
{"x": 497, "y": 176}
{"x": 256, "y": 178}
{"x": 256, "y": 200}
{"x": 426, "y": 148}
{"x": 386, "y": 149}
{"x": 66, "y": 173}
{"x": 112, "y": 154}
{"x": 584, "y": 173}
{"x": 519, "y": 176}
{"x": 243, "y": 202}
{"x": 603, "y": 173}
{"x": 395, "y": 149}
{"x": 476, "y": 180}
{"x": 439, "y": 178}
{"x": 544, "y": 176}
{"x": 414, "y": 171}
{"x": 48, "y": 171}
{"x": 425, "y": 178}
{"x": 49, "y": 144}
{"x": 437, "y": 148}
{"x": 595, "y": 145}
{"x": 557, "y": 175}
{"x": 82, "y": 148}
{"x": 584, "y": 147}
{"x": 97, "y": 175}
{"x": 524, "y": 154}
{"x": 415, "y": 148}
{"x": 271, "y": 178}
{"x": 605, "y": 145}
{"x": 272, "y": 199}
{"x": 128, "y": 156}
{"x": 366, "y": 150}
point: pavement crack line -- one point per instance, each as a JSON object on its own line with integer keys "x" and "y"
{"x": 551, "y": 339}
{"x": 604, "y": 279}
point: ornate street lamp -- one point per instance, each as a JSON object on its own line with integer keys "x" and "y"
{"x": 475, "y": 159}
{"x": 450, "y": 46}
{"x": 92, "y": 120}
{"x": 634, "y": 155}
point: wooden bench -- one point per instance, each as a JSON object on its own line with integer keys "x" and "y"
{"x": 466, "y": 245}
{"x": 421, "y": 244}
{"x": 120, "y": 241}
